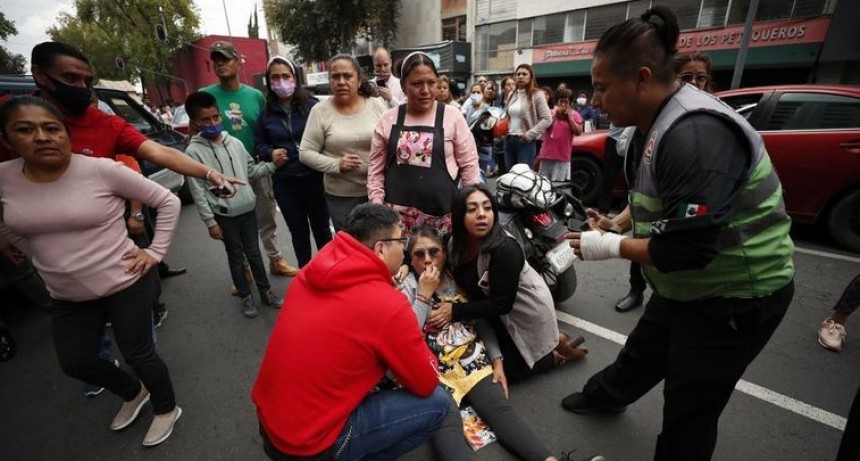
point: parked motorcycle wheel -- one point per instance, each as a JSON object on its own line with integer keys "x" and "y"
{"x": 563, "y": 287}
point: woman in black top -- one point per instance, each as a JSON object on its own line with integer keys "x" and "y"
{"x": 502, "y": 288}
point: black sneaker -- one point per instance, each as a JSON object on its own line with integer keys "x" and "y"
{"x": 249, "y": 309}
{"x": 580, "y": 404}
{"x": 160, "y": 315}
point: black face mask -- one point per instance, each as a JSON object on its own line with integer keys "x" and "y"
{"x": 74, "y": 99}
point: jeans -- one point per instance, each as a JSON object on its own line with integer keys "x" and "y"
{"x": 266, "y": 214}
{"x": 384, "y": 426}
{"x": 519, "y": 152}
{"x": 240, "y": 240}
{"x": 77, "y": 329}
{"x": 485, "y": 158}
{"x": 488, "y": 400}
{"x": 302, "y": 201}
{"x": 339, "y": 208}
{"x": 701, "y": 349}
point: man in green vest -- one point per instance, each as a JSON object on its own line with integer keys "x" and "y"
{"x": 709, "y": 228}
{"x": 240, "y": 106}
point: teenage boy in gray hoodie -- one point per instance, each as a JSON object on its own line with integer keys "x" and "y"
{"x": 229, "y": 219}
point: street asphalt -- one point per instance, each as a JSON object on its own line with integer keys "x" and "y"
{"x": 798, "y": 391}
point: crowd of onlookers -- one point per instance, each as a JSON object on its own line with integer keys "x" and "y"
{"x": 426, "y": 303}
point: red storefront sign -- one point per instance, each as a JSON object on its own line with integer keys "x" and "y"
{"x": 763, "y": 34}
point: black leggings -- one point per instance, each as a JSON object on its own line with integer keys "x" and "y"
{"x": 78, "y": 328}
{"x": 850, "y": 299}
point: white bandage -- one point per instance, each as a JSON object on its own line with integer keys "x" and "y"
{"x": 597, "y": 246}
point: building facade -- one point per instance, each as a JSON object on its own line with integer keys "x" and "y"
{"x": 558, "y": 37}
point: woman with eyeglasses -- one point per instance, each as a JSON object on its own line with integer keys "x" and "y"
{"x": 695, "y": 69}
{"x": 470, "y": 361}
{"x": 338, "y": 137}
{"x": 422, "y": 151}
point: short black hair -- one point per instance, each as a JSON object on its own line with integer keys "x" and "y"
{"x": 198, "y": 101}
{"x": 370, "y": 222}
{"x": 43, "y": 54}
{"x": 13, "y": 104}
{"x": 414, "y": 60}
{"x": 647, "y": 41}
{"x": 459, "y": 234}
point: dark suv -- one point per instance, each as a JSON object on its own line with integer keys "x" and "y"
{"x": 122, "y": 104}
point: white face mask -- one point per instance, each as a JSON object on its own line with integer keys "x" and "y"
{"x": 476, "y": 97}
{"x": 581, "y": 101}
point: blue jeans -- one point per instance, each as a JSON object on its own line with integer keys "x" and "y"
{"x": 517, "y": 151}
{"x": 390, "y": 424}
{"x": 485, "y": 158}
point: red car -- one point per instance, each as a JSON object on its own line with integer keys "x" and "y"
{"x": 812, "y": 133}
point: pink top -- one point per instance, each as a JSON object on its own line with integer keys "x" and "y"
{"x": 461, "y": 155}
{"x": 74, "y": 227}
{"x": 558, "y": 138}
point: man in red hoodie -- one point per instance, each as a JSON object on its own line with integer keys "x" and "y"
{"x": 342, "y": 327}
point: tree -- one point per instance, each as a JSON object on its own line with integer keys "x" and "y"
{"x": 254, "y": 24}
{"x": 320, "y": 29}
{"x": 106, "y": 29}
{"x": 10, "y": 63}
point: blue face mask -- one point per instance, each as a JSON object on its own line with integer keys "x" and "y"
{"x": 211, "y": 132}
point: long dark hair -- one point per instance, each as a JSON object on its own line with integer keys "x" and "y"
{"x": 459, "y": 235}
{"x": 532, "y": 87}
{"x": 647, "y": 41}
{"x": 300, "y": 98}
{"x": 365, "y": 88}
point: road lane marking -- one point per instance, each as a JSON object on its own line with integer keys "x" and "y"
{"x": 826, "y": 254}
{"x": 753, "y": 390}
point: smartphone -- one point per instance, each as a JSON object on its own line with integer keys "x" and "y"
{"x": 224, "y": 190}
{"x": 380, "y": 83}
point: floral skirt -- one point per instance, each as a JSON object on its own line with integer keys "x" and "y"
{"x": 413, "y": 218}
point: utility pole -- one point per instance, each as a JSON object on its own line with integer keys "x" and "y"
{"x": 745, "y": 44}
{"x": 227, "y": 18}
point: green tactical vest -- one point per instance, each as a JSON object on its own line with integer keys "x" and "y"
{"x": 755, "y": 257}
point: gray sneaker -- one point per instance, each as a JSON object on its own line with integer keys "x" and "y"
{"x": 270, "y": 299}
{"x": 249, "y": 309}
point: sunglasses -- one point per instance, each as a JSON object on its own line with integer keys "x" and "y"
{"x": 421, "y": 253}
{"x": 690, "y": 77}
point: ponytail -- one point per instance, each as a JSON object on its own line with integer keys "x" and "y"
{"x": 647, "y": 41}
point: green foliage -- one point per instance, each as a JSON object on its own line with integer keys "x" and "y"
{"x": 320, "y": 29}
{"x": 10, "y": 63}
{"x": 105, "y": 29}
{"x": 254, "y": 24}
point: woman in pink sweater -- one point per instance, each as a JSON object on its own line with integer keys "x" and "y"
{"x": 554, "y": 156}
{"x": 66, "y": 212}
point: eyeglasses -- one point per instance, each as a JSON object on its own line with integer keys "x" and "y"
{"x": 689, "y": 77}
{"x": 421, "y": 253}
{"x": 403, "y": 240}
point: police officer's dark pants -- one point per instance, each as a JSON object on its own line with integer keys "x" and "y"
{"x": 701, "y": 349}
{"x": 849, "y": 449}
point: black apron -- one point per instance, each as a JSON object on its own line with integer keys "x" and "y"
{"x": 417, "y": 175}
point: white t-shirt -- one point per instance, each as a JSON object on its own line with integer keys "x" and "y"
{"x": 515, "y": 112}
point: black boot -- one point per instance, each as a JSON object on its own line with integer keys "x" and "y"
{"x": 633, "y": 300}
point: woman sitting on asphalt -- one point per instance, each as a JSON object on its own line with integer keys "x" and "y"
{"x": 422, "y": 152}
{"x": 79, "y": 243}
{"x": 503, "y": 289}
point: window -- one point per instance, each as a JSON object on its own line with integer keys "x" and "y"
{"x": 637, "y": 7}
{"x": 524, "y": 33}
{"x": 575, "y": 28}
{"x": 713, "y": 13}
{"x": 768, "y": 10}
{"x": 806, "y": 8}
{"x": 130, "y": 113}
{"x": 744, "y": 100}
{"x": 814, "y": 111}
{"x": 454, "y": 29}
{"x": 597, "y": 20}
{"x": 495, "y": 45}
{"x": 687, "y": 11}
{"x": 549, "y": 29}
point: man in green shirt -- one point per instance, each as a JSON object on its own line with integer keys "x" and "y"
{"x": 240, "y": 106}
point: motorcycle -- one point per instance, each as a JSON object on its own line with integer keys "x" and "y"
{"x": 538, "y": 213}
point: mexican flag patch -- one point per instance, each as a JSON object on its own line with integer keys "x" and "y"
{"x": 691, "y": 210}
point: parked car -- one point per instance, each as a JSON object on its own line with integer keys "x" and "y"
{"x": 122, "y": 104}
{"x": 812, "y": 133}
{"x": 180, "y": 120}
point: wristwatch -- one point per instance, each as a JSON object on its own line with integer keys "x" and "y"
{"x": 138, "y": 216}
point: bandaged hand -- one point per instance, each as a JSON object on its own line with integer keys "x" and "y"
{"x": 597, "y": 246}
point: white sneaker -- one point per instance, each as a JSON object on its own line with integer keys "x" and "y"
{"x": 161, "y": 427}
{"x": 831, "y": 335}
